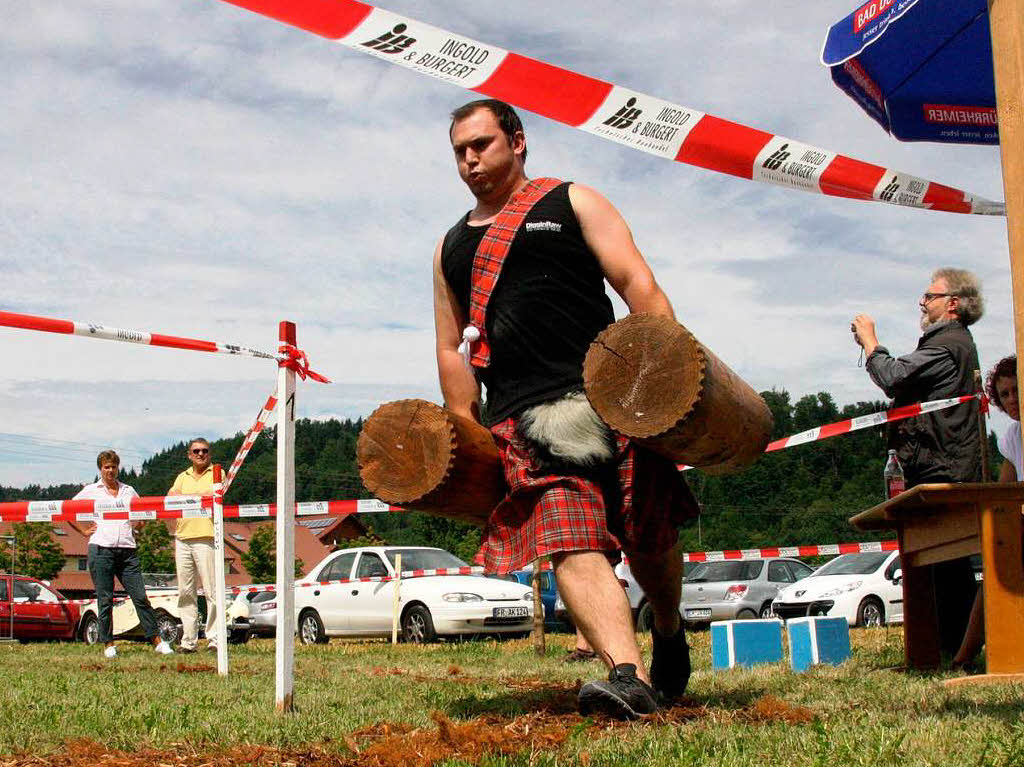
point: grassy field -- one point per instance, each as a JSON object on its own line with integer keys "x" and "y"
{"x": 486, "y": 703}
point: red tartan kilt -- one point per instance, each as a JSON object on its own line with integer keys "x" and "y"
{"x": 636, "y": 505}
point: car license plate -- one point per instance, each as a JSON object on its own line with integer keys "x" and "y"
{"x": 510, "y": 612}
{"x": 703, "y": 612}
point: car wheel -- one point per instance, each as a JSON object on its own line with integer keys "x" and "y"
{"x": 766, "y": 610}
{"x": 168, "y": 627}
{"x": 870, "y": 612}
{"x": 89, "y": 631}
{"x": 746, "y": 614}
{"x": 644, "y": 618}
{"x": 239, "y": 636}
{"x": 418, "y": 626}
{"x": 311, "y": 628}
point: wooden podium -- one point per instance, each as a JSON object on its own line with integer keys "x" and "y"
{"x": 938, "y": 523}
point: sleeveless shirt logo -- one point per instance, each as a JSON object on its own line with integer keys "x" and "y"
{"x": 543, "y": 226}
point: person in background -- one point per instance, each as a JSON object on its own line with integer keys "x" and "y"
{"x": 194, "y": 550}
{"x": 944, "y": 446}
{"x": 1001, "y": 388}
{"x": 112, "y": 552}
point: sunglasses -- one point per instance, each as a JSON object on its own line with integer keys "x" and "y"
{"x": 200, "y": 450}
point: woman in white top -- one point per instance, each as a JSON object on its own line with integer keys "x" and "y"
{"x": 112, "y": 551}
{"x": 1001, "y": 388}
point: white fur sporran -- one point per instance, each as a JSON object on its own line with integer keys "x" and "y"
{"x": 567, "y": 431}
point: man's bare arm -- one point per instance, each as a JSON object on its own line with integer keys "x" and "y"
{"x": 459, "y": 387}
{"x": 608, "y": 236}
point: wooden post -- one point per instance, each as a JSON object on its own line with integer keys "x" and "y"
{"x": 284, "y": 651}
{"x": 538, "y": 609}
{"x": 397, "y": 599}
{"x": 219, "y": 585}
{"x": 1006, "y": 21}
{"x": 418, "y": 455}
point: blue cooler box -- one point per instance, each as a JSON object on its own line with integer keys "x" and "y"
{"x": 818, "y": 640}
{"x": 745, "y": 643}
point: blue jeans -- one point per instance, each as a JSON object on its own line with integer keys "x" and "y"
{"x": 104, "y": 563}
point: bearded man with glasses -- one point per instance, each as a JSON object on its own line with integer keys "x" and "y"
{"x": 194, "y": 549}
{"x": 944, "y": 446}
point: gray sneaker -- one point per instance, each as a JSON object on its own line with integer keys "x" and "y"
{"x": 623, "y": 695}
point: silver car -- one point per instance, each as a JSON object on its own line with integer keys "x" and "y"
{"x": 262, "y": 612}
{"x": 737, "y": 588}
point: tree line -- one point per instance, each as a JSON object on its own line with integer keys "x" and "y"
{"x": 802, "y": 495}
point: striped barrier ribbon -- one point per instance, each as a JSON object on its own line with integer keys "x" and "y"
{"x": 827, "y": 549}
{"x": 178, "y": 506}
{"x": 173, "y": 507}
{"x": 618, "y": 114}
{"x": 250, "y": 440}
{"x": 867, "y": 421}
{"x": 288, "y": 356}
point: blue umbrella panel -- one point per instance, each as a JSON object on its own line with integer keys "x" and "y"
{"x": 921, "y": 68}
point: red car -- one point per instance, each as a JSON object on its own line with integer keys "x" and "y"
{"x": 39, "y": 612}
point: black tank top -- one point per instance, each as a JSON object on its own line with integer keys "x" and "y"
{"x": 547, "y": 308}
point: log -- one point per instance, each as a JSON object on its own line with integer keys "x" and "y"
{"x": 422, "y": 457}
{"x": 652, "y": 381}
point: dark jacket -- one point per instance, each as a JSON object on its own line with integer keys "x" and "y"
{"x": 943, "y": 446}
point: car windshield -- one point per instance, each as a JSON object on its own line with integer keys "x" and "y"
{"x": 854, "y": 564}
{"x": 738, "y": 570}
{"x": 424, "y": 559}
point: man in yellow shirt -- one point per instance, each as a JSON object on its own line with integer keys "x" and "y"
{"x": 194, "y": 552}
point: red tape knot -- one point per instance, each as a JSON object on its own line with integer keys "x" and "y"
{"x": 983, "y": 407}
{"x": 299, "y": 362}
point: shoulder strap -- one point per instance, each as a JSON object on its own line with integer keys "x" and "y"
{"x": 490, "y": 257}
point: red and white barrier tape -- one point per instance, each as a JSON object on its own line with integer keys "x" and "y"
{"x": 829, "y": 549}
{"x": 179, "y": 506}
{"x": 250, "y": 439}
{"x": 618, "y": 114}
{"x": 287, "y": 357}
{"x": 819, "y": 433}
{"x": 173, "y": 507}
{"x": 406, "y": 574}
{"x": 867, "y": 421}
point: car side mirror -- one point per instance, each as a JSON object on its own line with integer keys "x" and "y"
{"x": 897, "y": 577}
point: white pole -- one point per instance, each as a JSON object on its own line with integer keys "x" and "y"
{"x": 284, "y": 654}
{"x": 220, "y": 628}
{"x": 394, "y": 606}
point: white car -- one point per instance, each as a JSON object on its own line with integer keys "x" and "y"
{"x": 864, "y": 588}
{"x": 329, "y": 602}
{"x": 164, "y": 601}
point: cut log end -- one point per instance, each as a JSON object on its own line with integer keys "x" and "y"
{"x": 644, "y": 374}
{"x": 405, "y": 450}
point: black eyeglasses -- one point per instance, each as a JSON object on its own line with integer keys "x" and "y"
{"x": 200, "y": 450}
{"x": 929, "y": 297}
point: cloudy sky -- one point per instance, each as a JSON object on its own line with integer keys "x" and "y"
{"x": 192, "y": 168}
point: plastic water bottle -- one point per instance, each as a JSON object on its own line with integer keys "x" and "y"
{"x": 895, "y": 483}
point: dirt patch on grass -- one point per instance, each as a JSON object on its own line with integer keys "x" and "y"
{"x": 396, "y": 744}
{"x": 771, "y": 709}
{"x": 179, "y": 668}
{"x": 384, "y": 746}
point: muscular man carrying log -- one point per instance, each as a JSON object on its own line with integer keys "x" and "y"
{"x": 521, "y": 325}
